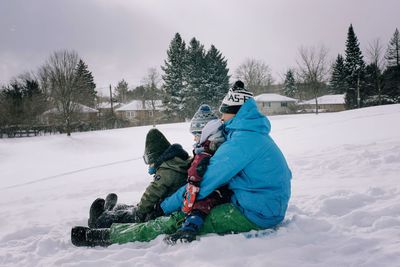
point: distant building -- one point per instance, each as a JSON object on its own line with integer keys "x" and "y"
{"x": 141, "y": 112}
{"x": 105, "y": 107}
{"x": 326, "y": 103}
{"x": 82, "y": 113}
{"x": 271, "y": 104}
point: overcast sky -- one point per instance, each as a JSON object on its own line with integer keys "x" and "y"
{"x": 122, "y": 39}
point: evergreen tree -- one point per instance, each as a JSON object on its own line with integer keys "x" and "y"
{"x": 391, "y": 87}
{"x": 23, "y": 102}
{"x": 393, "y": 51}
{"x": 289, "y": 85}
{"x": 338, "y": 80}
{"x": 195, "y": 92}
{"x": 217, "y": 84}
{"x": 85, "y": 82}
{"x": 355, "y": 65}
{"x": 121, "y": 92}
{"x": 174, "y": 79}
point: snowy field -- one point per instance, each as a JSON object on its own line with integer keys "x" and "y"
{"x": 344, "y": 210}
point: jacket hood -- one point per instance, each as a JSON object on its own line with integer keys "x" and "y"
{"x": 249, "y": 119}
{"x": 171, "y": 152}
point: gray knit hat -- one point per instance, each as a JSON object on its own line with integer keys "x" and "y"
{"x": 203, "y": 115}
{"x": 235, "y": 98}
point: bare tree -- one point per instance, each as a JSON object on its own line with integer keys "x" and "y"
{"x": 151, "y": 84}
{"x": 313, "y": 68}
{"x": 58, "y": 77}
{"x": 376, "y": 57}
{"x": 376, "y": 54}
{"x": 255, "y": 74}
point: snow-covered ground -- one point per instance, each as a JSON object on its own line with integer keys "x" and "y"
{"x": 344, "y": 210}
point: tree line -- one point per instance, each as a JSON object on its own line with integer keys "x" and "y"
{"x": 193, "y": 75}
{"x": 364, "y": 83}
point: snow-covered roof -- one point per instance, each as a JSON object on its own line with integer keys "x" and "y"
{"x": 138, "y": 105}
{"x": 273, "y": 98}
{"x": 107, "y": 105}
{"x": 326, "y": 100}
{"x": 79, "y": 108}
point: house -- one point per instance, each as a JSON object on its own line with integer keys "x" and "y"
{"x": 105, "y": 107}
{"x": 270, "y": 104}
{"x": 326, "y": 103}
{"x": 141, "y": 112}
{"x": 82, "y": 113}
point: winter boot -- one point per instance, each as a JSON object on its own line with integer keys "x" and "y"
{"x": 96, "y": 209}
{"x": 187, "y": 232}
{"x": 86, "y": 237}
{"x": 106, "y": 219}
{"x": 111, "y": 201}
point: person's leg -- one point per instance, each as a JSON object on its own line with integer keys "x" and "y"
{"x": 223, "y": 219}
{"x": 227, "y": 219}
{"x": 107, "y": 218}
{"x": 124, "y": 233}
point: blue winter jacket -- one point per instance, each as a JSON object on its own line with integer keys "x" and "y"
{"x": 252, "y": 165}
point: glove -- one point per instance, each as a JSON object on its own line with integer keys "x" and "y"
{"x": 190, "y": 197}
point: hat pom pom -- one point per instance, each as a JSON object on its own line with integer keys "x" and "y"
{"x": 239, "y": 85}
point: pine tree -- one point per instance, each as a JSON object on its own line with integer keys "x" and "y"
{"x": 354, "y": 65}
{"x": 289, "y": 85}
{"x": 121, "y": 92}
{"x": 85, "y": 82}
{"x": 393, "y": 51}
{"x": 338, "y": 80}
{"x": 174, "y": 79}
{"x": 217, "y": 84}
{"x": 195, "y": 92}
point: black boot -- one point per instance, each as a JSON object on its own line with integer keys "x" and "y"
{"x": 86, "y": 237}
{"x": 96, "y": 209}
{"x": 111, "y": 201}
{"x": 116, "y": 216}
{"x": 182, "y": 236}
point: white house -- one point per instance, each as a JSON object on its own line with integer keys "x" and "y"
{"x": 140, "y": 112}
{"x": 326, "y": 103}
{"x": 270, "y": 104}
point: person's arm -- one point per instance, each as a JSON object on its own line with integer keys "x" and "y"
{"x": 174, "y": 202}
{"x": 230, "y": 158}
{"x": 156, "y": 191}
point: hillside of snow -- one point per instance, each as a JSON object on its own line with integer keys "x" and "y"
{"x": 344, "y": 210}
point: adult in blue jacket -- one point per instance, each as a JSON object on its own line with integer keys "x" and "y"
{"x": 249, "y": 162}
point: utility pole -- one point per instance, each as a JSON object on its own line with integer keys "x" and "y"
{"x": 111, "y": 101}
{"x": 358, "y": 89}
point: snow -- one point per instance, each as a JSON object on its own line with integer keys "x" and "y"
{"x": 139, "y": 105}
{"x": 326, "y": 100}
{"x": 273, "y": 98}
{"x": 344, "y": 210}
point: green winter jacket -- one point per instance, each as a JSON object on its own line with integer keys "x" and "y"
{"x": 170, "y": 175}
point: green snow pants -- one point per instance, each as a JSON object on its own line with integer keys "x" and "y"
{"x": 222, "y": 219}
